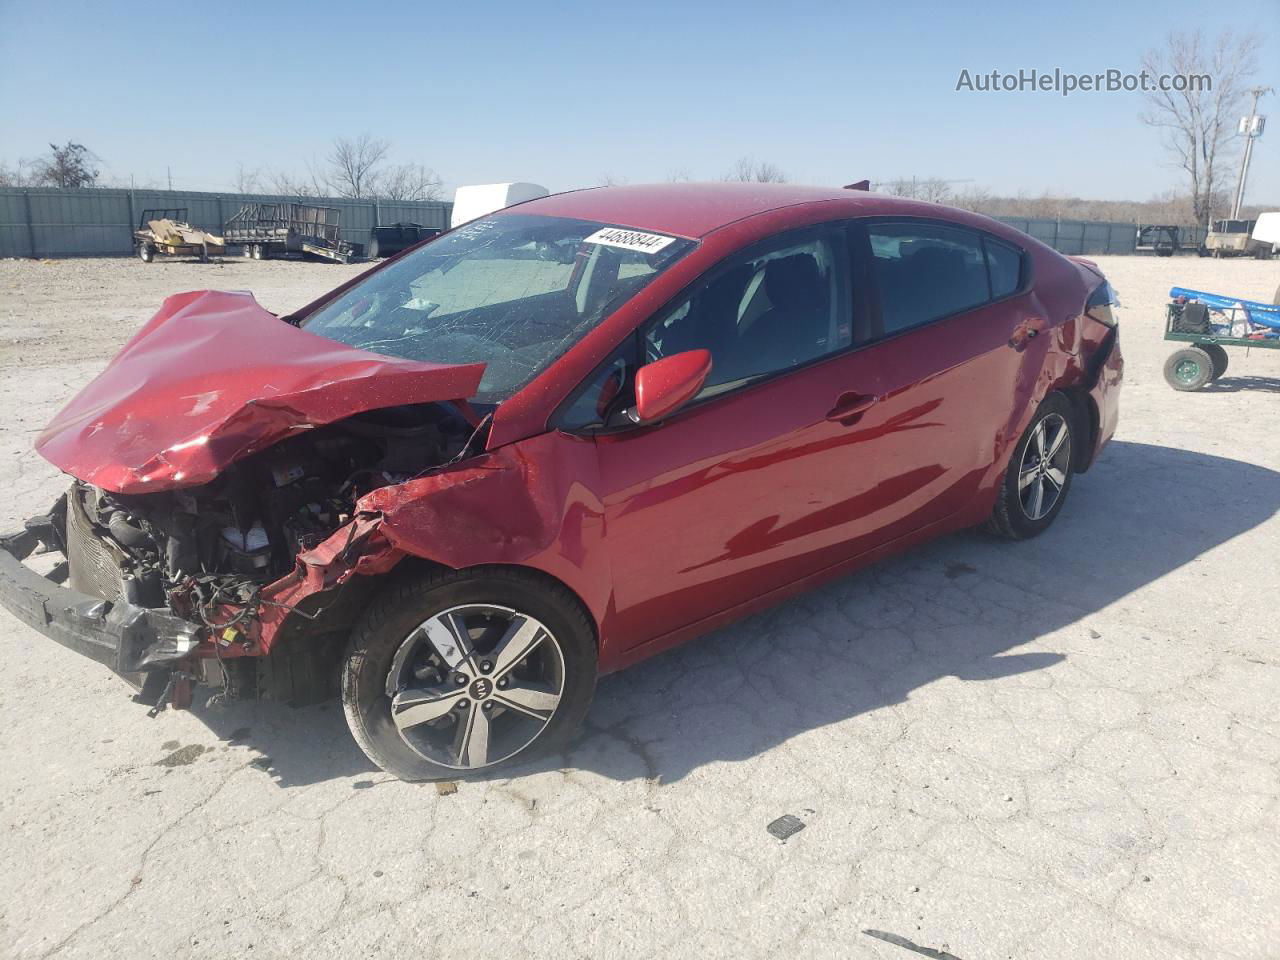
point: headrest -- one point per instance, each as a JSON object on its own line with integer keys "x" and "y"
{"x": 794, "y": 283}
{"x": 938, "y": 260}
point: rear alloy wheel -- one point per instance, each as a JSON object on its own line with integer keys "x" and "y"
{"x": 458, "y": 674}
{"x": 1039, "y": 473}
{"x": 1188, "y": 369}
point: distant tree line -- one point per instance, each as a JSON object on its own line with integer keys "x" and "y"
{"x": 1172, "y": 206}
{"x": 356, "y": 167}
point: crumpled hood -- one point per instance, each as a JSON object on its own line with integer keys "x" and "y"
{"x": 212, "y": 378}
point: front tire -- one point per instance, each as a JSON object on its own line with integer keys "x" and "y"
{"x": 1039, "y": 474}
{"x": 460, "y": 673}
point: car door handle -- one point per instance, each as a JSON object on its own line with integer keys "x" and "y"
{"x": 1027, "y": 331}
{"x": 850, "y": 408}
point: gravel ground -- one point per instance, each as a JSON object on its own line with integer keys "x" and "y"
{"x": 1065, "y": 748}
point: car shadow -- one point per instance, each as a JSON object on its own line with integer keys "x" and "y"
{"x": 295, "y": 746}
{"x": 958, "y": 607}
{"x": 1236, "y": 384}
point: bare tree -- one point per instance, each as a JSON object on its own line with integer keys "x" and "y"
{"x": 934, "y": 190}
{"x": 609, "y": 180}
{"x": 73, "y": 165}
{"x": 353, "y": 165}
{"x": 750, "y": 170}
{"x": 248, "y": 180}
{"x": 977, "y": 199}
{"x": 18, "y": 175}
{"x": 408, "y": 181}
{"x": 929, "y": 189}
{"x": 1198, "y": 121}
{"x": 289, "y": 185}
{"x": 678, "y": 175}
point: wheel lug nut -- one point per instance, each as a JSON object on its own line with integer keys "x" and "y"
{"x": 502, "y": 684}
{"x": 486, "y": 666}
{"x": 459, "y": 679}
{"x": 488, "y": 705}
{"x": 462, "y": 704}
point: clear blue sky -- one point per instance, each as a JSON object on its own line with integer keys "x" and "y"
{"x": 567, "y": 94}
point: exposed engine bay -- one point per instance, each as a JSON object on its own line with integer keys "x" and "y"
{"x": 204, "y": 551}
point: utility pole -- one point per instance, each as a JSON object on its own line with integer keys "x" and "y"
{"x": 1251, "y": 128}
{"x": 169, "y": 173}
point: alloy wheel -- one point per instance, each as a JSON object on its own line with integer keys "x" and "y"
{"x": 1045, "y": 462}
{"x": 474, "y": 685}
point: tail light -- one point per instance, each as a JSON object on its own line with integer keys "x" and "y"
{"x": 1102, "y": 304}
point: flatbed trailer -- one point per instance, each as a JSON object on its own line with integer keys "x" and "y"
{"x": 1208, "y": 323}
{"x": 1162, "y": 239}
{"x": 166, "y": 232}
{"x": 265, "y": 230}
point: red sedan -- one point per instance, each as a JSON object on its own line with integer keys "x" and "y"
{"x": 555, "y": 441}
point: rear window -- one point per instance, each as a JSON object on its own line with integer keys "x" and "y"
{"x": 1004, "y": 264}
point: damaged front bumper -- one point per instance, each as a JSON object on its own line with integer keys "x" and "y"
{"x": 164, "y": 655}
{"x": 129, "y": 639}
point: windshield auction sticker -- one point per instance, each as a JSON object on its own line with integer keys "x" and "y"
{"x": 630, "y": 239}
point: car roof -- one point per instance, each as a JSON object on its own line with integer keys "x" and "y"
{"x": 695, "y": 209}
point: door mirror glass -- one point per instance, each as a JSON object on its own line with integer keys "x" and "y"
{"x": 664, "y": 386}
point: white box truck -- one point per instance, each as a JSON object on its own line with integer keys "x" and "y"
{"x": 478, "y": 199}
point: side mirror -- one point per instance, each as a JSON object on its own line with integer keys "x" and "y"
{"x": 666, "y": 385}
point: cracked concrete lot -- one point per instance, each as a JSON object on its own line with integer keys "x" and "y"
{"x": 1062, "y": 749}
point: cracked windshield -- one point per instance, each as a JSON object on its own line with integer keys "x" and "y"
{"x": 513, "y": 292}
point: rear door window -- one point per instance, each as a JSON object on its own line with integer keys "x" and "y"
{"x": 926, "y": 271}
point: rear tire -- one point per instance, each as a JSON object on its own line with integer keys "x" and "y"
{"x": 146, "y": 252}
{"x": 1038, "y": 477}
{"x": 258, "y": 252}
{"x": 1218, "y": 357}
{"x": 1188, "y": 369}
{"x": 415, "y": 705}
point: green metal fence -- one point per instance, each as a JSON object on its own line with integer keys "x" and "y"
{"x": 51, "y": 222}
